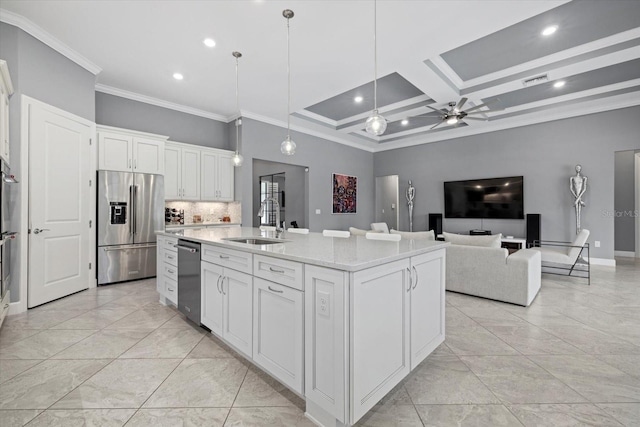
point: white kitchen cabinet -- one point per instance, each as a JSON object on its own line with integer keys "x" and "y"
{"x": 198, "y": 173}
{"x": 217, "y": 176}
{"x": 182, "y": 172}
{"x": 211, "y": 297}
{"x": 397, "y": 319}
{"x": 226, "y": 305}
{"x": 278, "y": 328}
{"x": 6, "y": 90}
{"x": 167, "y": 270}
{"x": 380, "y": 340}
{"x": 130, "y": 151}
{"x": 427, "y": 304}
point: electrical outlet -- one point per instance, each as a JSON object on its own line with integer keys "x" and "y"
{"x": 322, "y": 304}
{"x": 597, "y": 243}
{"x": 318, "y": 211}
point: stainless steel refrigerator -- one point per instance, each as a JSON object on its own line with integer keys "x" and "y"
{"x": 130, "y": 210}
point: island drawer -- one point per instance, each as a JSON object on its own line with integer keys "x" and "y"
{"x": 288, "y": 273}
{"x": 170, "y": 271}
{"x": 170, "y": 258}
{"x": 171, "y": 289}
{"x": 237, "y": 260}
{"x": 170, "y": 243}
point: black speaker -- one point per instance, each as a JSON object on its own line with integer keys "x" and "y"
{"x": 534, "y": 227}
{"x": 435, "y": 223}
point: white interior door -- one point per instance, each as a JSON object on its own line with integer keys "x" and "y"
{"x": 59, "y": 204}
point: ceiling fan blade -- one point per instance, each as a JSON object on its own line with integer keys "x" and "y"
{"x": 436, "y": 125}
{"x": 435, "y": 109}
{"x": 430, "y": 114}
{"x": 475, "y": 118}
{"x": 460, "y": 104}
{"x": 477, "y": 107}
{"x": 484, "y": 111}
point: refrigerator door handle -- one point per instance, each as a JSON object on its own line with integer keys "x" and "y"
{"x": 135, "y": 209}
{"x": 131, "y": 210}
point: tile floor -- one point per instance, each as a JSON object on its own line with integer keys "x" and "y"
{"x": 114, "y": 356}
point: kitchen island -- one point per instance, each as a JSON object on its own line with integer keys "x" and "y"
{"x": 340, "y": 321}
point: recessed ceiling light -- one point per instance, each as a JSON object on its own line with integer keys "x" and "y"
{"x": 209, "y": 42}
{"x": 549, "y": 30}
{"x": 405, "y": 122}
{"x": 178, "y": 76}
{"x": 559, "y": 83}
{"x": 358, "y": 99}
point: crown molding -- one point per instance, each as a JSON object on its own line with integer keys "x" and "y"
{"x": 307, "y": 131}
{"x": 160, "y": 103}
{"x": 40, "y": 34}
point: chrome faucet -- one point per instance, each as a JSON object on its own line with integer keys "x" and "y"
{"x": 276, "y": 207}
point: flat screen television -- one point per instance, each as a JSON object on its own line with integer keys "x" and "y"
{"x": 500, "y": 198}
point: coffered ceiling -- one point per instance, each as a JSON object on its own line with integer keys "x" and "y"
{"x": 430, "y": 53}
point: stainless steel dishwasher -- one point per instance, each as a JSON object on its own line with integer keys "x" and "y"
{"x": 189, "y": 280}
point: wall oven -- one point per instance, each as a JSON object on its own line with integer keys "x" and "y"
{"x": 6, "y": 237}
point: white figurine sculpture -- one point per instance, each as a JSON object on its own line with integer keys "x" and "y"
{"x": 578, "y": 186}
{"x": 410, "y": 194}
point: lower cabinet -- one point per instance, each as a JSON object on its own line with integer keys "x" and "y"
{"x": 227, "y": 305}
{"x": 167, "y": 270}
{"x": 278, "y": 327}
{"x": 427, "y": 304}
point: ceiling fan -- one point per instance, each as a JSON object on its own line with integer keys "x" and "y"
{"x": 455, "y": 113}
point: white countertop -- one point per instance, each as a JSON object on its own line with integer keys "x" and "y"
{"x": 349, "y": 254}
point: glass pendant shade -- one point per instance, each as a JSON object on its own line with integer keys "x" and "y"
{"x": 237, "y": 159}
{"x": 376, "y": 124}
{"x": 452, "y": 120}
{"x": 288, "y": 147}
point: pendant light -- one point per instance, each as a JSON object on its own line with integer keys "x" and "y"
{"x": 375, "y": 124}
{"x": 288, "y": 147}
{"x": 237, "y": 158}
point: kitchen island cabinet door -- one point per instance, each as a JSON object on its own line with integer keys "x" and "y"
{"x": 427, "y": 304}
{"x": 278, "y": 332}
{"x": 380, "y": 333}
{"x": 211, "y": 297}
{"x": 237, "y": 294}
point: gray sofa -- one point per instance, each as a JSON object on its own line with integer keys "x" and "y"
{"x": 490, "y": 272}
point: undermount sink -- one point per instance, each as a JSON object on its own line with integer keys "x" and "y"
{"x": 254, "y": 240}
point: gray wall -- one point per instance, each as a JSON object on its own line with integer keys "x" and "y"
{"x": 625, "y": 201}
{"x": 41, "y": 73}
{"x": 262, "y": 141}
{"x": 295, "y": 188}
{"x": 545, "y": 154}
{"x": 178, "y": 126}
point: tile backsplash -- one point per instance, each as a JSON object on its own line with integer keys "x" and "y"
{"x": 210, "y": 211}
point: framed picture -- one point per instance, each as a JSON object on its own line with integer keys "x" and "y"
{"x": 345, "y": 192}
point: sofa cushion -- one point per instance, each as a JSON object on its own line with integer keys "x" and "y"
{"x": 416, "y": 235}
{"x": 492, "y": 241}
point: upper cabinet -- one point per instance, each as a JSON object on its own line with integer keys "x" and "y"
{"x": 130, "y": 151}
{"x": 217, "y": 175}
{"x": 193, "y": 172}
{"x": 182, "y": 172}
{"x": 6, "y": 90}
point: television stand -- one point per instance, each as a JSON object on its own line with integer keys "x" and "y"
{"x": 479, "y": 232}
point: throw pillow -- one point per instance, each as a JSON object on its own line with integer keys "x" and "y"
{"x": 492, "y": 241}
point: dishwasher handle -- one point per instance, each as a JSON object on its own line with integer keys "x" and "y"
{"x": 186, "y": 248}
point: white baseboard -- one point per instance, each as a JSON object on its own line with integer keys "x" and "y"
{"x": 603, "y": 261}
{"x": 15, "y": 308}
{"x": 626, "y": 254}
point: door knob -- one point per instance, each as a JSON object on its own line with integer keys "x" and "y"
{"x": 40, "y": 230}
